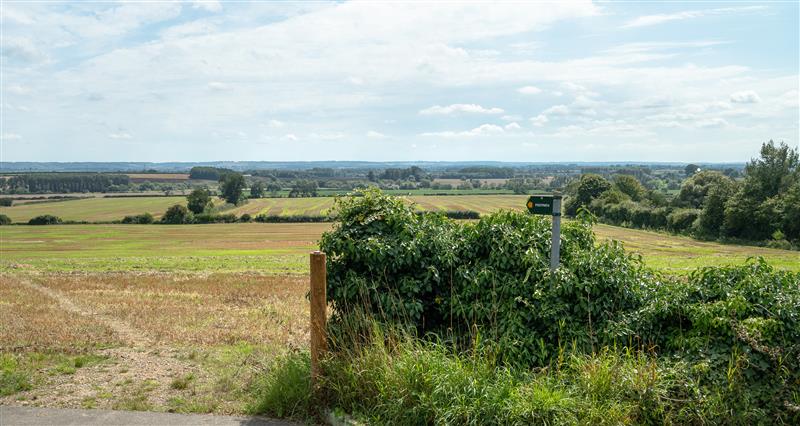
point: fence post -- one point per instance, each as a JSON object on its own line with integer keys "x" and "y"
{"x": 319, "y": 340}
{"x": 555, "y": 247}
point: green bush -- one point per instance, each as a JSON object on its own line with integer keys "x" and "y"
{"x": 245, "y": 218}
{"x": 45, "y": 219}
{"x": 177, "y": 214}
{"x": 682, "y": 220}
{"x": 139, "y": 219}
{"x": 215, "y": 218}
{"x": 442, "y": 276}
{"x": 5, "y": 220}
{"x": 723, "y": 344}
{"x": 264, "y": 218}
{"x": 739, "y": 329}
{"x": 6, "y": 202}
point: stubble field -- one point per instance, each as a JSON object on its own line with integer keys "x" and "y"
{"x": 187, "y": 318}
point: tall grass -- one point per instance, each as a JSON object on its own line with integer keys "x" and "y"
{"x": 391, "y": 377}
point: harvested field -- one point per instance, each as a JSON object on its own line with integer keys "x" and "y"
{"x": 163, "y": 342}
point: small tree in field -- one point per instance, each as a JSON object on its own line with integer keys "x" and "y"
{"x": 257, "y": 189}
{"x": 198, "y": 200}
{"x": 177, "y": 214}
{"x": 232, "y": 187}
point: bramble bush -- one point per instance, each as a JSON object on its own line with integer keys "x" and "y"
{"x": 732, "y": 332}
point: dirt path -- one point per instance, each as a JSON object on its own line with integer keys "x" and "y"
{"x": 137, "y": 375}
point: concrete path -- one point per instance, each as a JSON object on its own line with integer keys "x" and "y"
{"x": 13, "y": 416}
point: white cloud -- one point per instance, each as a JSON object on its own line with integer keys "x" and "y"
{"x": 539, "y": 121}
{"x": 22, "y": 49}
{"x": 327, "y": 136}
{"x": 375, "y": 135}
{"x": 10, "y": 137}
{"x": 120, "y": 135}
{"x": 208, "y": 5}
{"x": 529, "y": 90}
{"x": 482, "y": 130}
{"x": 459, "y": 108}
{"x": 711, "y": 123}
{"x": 218, "y": 86}
{"x": 648, "y": 20}
{"x": 557, "y": 110}
{"x": 275, "y": 124}
{"x": 18, "y": 89}
{"x": 512, "y": 126}
{"x": 290, "y": 136}
{"x": 193, "y": 28}
{"x": 512, "y": 117}
{"x": 745, "y": 97}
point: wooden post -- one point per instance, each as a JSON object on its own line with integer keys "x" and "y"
{"x": 319, "y": 340}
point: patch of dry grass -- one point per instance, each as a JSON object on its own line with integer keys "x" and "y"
{"x": 196, "y": 309}
{"x": 32, "y": 321}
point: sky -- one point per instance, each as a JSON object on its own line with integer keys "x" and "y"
{"x": 390, "y": 81}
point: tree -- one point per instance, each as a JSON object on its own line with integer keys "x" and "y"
{"x": 759, "y": 208}
{"x": 695, "y": 188}
{"x": 589, "y": 187}
{"x": 303, "y": 188}
{"x": 371, "y": 176}
{"x": 774, "y": 172}
{"x": 273, "y": 188}
{"x": 198, "y": 200}
{"x": 712, "y": 216}
{"x": 231, "y": 186}
{"x": 691, "y": 169}
{"x": 630, "y": 186}
{"x": 5, "y": 220}
{"x": 257, "y": 189}
{"x": 177, "y": 214}
{"x": 6, "y": 202}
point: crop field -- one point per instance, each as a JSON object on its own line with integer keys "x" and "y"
{"x": 92, "y": 209}
{"x": 282, "y": 248}
{"x": 162, "y": 342}
{"x": 108, "y": 209}
{"x": 188, "y": 318}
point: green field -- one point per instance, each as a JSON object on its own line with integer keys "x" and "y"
{"x": 92, "y": 209}
{"x": 109, "y": 209}
{"x": 283, "y": 248}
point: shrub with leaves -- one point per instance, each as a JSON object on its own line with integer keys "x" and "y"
{"x": 443, "y": 276}
{"x": 45, "y": 219}
{"x": 740, "y": 328}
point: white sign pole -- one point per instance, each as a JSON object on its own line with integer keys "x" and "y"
{"x": 555, "y": 247}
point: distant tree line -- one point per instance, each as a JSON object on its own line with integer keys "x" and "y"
{"x": 208, "y": 173}
{"x": 35, "y": 183}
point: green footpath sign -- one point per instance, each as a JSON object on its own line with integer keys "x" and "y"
{"x": 540, "y": 204}
{"x": 549, "y": 205}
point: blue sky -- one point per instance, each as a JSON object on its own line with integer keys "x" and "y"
{"x": 380, "y": 81}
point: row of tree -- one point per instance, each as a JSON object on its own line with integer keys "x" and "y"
{"x": 62, "y": 182}
{"x": 762, "y": 205}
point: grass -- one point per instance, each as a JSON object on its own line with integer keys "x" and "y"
{"x": 207, "y": 334}
{"x": 409, "y": 381}
{"x": 109, "y": 209}
{"x": 278, "y": 248}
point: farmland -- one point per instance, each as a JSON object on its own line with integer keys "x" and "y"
{"x": 188, "y": 318}
{"x": 281, "y": 248}
{"x": 109, "y": 209}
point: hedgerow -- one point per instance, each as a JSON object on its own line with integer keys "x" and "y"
{"x": 733, "y": 331}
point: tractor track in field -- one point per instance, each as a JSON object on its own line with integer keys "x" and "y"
{"x": 138, "y": 371}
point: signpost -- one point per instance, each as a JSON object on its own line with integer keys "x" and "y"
{"x": 549, "y": 205}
